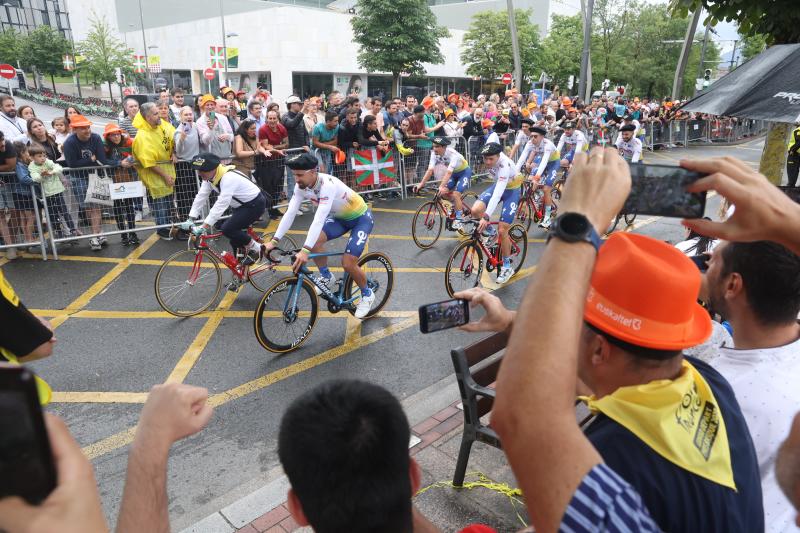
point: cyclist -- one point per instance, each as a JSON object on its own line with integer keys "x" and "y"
{"x": 521, "y": 141}
{"x": 574, "y": 141}
{"x": 506, "y": 189}
{"x": 236, "y": 191}
{"x": 339, "y": 210}
{"x": 544, "y": 154}
{"x": 639, "y": 132}
{"x": 630, "y": 148}
{"x": 455, "y": 180}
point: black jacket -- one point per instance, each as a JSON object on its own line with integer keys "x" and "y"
{"x": 348, "y": 134}
{"x": 296, "y": 129}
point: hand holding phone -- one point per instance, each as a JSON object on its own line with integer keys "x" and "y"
{"x": 443, "y": 315}
{"x": 661, "y": 190}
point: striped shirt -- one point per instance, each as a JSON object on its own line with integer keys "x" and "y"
{"x": 604, "y": 502}
{"x": 126, "y": 124}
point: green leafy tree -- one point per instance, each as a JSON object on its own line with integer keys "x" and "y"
{"x": 10, "y": 41}
{"x": 44, "y": 48}
{"x": 104, "y": 53}
{"x": 561, "y": 49}
{"x": 611, "y": 26}
{"x": 397, "y": 36}
{"x": 752, "y": 45}
{"x": 486, "y": 48}
{"x": 778, "y": 21}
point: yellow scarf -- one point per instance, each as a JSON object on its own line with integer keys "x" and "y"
{"x": 679, "y": 419}
{"x": 221, "y": 170}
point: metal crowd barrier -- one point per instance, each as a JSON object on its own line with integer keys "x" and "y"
{"x": 22, "y": 223}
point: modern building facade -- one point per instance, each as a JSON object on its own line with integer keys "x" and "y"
{"x": 24, "y": 15}
{"x": 298, "y": 46}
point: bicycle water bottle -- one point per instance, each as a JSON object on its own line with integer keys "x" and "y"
{"x": 229, "y": 258}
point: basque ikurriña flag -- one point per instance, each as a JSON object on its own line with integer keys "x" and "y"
{"x": 372, "y": 168}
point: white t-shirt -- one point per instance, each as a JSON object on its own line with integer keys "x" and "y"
{"x": 234, "y": 189}
{"x": 767, "y": 385}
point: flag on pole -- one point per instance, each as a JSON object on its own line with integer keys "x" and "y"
{"x": 372, "y": 168}
{"x": 233, "y": 57}
{"x": 154, "y": 63}
{"x": 217, "y": 57}
{"x": 138, "y": 64}
{"x": 68, "y": 63}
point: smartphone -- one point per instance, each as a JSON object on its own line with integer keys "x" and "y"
{"x": 187, "y": 127}
{"x": 26, "y": 461}
{"x": 212, "y": 115}
{"x": 661, "y": 190}
{"x": 443, "y": 315}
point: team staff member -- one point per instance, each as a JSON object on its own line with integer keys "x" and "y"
{"x": 339, "y": 210}
{"x": 236, "y": 191}
{"x": 793, "y": 157}
{"x": 456, "y": 177}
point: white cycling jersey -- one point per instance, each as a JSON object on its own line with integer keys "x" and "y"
{"x": 576, "y": 141}
{"x": 631, "y": 150}
{"x": 333, "y": 198}
{"x": 453, "y": 160}
{"x": 546, "y": 152}
{"x": 504, "y": 173}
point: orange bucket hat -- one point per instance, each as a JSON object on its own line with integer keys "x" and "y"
{"x": 111, "y": 128}
{"x": 427, "y": 102}
{"x": 79, "y": 121}
{"x": 668, "y": 317}
{"x": 206, "y": 98}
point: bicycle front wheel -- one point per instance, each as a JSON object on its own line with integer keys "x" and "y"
{"x": 427, "y": 225}
{"x": 519, "y": 245}
{"x": 464, "y": 268}
{"x": 264, "y": 273}
{"x": 380, "y": 279}
{"x": 188, "y": 282}
{"x": 630, "y": 218}
{"x": 286, "y": 315}
{"x": 613, "y": 224}
{"x": 524, "y": 215}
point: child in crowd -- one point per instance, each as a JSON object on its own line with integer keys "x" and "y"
{"x": 21, "y": 192}
{"x": 60, "y": 132}
{"x": 50, "y": 176}
{"x": 119, "y": 150}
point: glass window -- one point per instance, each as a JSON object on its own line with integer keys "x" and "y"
{"x": 308, "y": 85}
{"x": 379, "y": 86}
{"x": 265, "y": 81}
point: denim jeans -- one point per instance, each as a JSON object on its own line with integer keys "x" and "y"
{"x": 161, "y": 208}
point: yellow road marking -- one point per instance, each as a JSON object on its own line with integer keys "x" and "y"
{"x": 353, "y": 331}
{"x": 387, "y": 210}
{"x": 125, "y": 437}
{"x": 3, "y": 260}
{"x": 86, "y": 258}
{"x": 47, "y": 313}
{"x": 99, "y": 397}
{"x": 81, "y": 301}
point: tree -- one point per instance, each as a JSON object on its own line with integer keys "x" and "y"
{"x": 44, "y": 48}
{"x": 10, "y": 46}
{"x": 611, "y": 18}
{"x": 397, "y": 36}
{"x": 104, "y": 53}
{"x": 778, "y": 21}
{"x": 561, "y": 49}
{"x": 486, "y": 48}
{"x": 752, "y": 45}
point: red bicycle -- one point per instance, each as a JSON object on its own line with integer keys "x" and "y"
{"x": 189, "y": 281}
{"x": 426, "y": 226}
{"x": 531, "y": 203}
{"x": 465, "y": 266}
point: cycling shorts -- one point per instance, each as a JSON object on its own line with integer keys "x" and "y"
{"x": 510, "y": 201}
{"x": 550, "y": 172}
{"x": 569, "y": 155}
{"x": 359, "y": 229}
{"x": 460, "y": 180}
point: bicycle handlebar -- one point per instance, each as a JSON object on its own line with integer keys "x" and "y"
{"x": 282, "y": 253}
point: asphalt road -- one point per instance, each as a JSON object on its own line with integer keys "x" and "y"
{"x": 47, "y": 114}
{"x": 114, "y": 343}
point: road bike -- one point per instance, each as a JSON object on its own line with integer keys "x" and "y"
{"x": 426, "y": 226}
{"x": 189, "y": 281}
{"x": 531, "y": 203}
{"x": 629, "y": 218}
{"x": 465, "y": 265}
{"x": 287, "y": 312}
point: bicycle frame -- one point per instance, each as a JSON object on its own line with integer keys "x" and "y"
{"x": 202, "y": 243}
{"x": 492, "y": 259}
{"x": 336, "y": 299}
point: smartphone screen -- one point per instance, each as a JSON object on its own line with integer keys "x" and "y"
{"x": 443, "y": 315}
{"x": 26, "y": 461}
{"x": 661, "y": 190}
{"x": 212, "y": 115}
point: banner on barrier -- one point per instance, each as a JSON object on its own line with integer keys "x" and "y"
{"x": 372, "y": 168}
{"x": 129, "y": 189}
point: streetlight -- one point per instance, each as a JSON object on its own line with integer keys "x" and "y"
{"x": 144, "y": 42}
{"x": 224, "y": 42}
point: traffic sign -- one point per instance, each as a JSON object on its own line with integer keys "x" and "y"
{"x": 210, "y": 74}
{"x": 8, "y": 72}
{"x": 507, "y": 78}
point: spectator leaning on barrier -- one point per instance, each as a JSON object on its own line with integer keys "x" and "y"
{"x": 323, "y": 141}
{"x": 83, "y": 150}
{"x": 272, "y": 137}
{"x": 246, "y": 148}
{"x": 12, "y": 126}
{"x": 119, "y": 151}
{"x": 130, "y": 108}
{"x": 187, "y": 146}
{"x": 756, "y": 287}
{"x": 153, "y": 151}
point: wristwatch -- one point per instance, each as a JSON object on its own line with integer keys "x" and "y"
{"x": 574, "y": 227}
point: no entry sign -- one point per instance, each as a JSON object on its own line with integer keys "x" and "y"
{"x": 8, "y": 72}
{"x": 209, "y": 73}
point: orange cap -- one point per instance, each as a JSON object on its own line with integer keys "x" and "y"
{"x": 79, "y": 121}
{"x": 668, "y": 317}
{"x": 453, "y": 98}
{"x": 427, "y": 102}
{"x": 111, "y": 128}
{"x": 206, "y": 98}
{"x": 487, "y": 123}
{"x": 566, "y": 101}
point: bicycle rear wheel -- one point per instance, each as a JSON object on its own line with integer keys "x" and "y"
{"x": 464, "y": 268}
{"x": 630, "y": 218}
{"x": 282, "y": 325}
{"x": 188, "y": 282}
{"x": 519, "y": 245}
{"x": 613, "y": 224}
{"x": 427, "y": 225}
{"x": 524, "y": 215}
{"x": 380, "y": 279}
{"x": 263, "y": 273}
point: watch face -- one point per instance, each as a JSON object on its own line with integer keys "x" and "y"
{"x": 574, "y": 224}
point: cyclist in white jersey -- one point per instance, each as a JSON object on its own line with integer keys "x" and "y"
{"x": 572, "y": 141}
{"x": 629, "y": 147}
{"x": 455, "y": 180}
{"x": 521, "y": 140}
{"x": 542, "y": 165}
{"x": 506, "y": 189}
{"x": 339, "y": 210}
